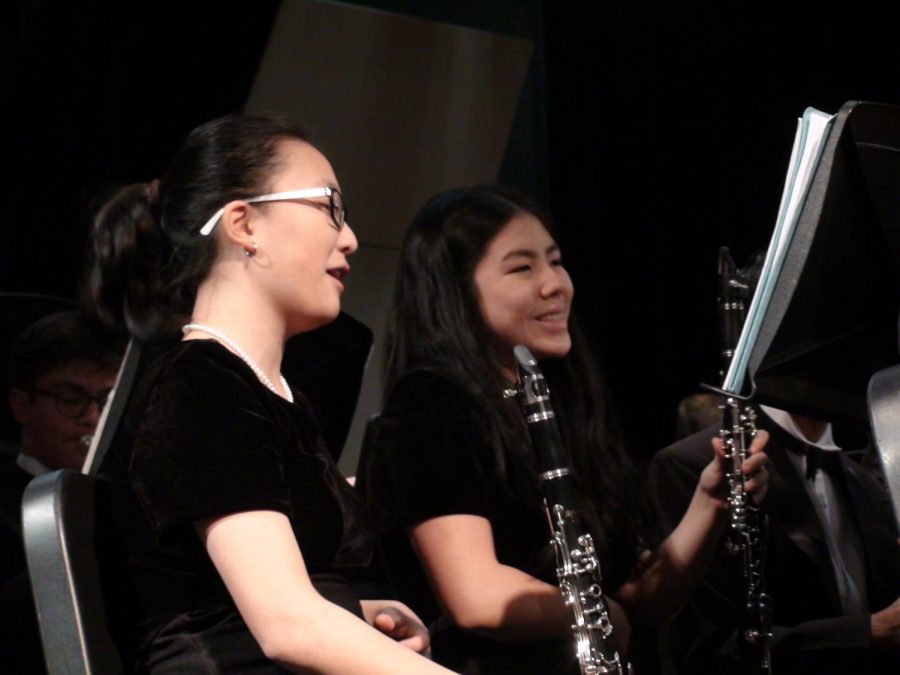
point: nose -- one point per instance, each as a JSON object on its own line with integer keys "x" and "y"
{"x": 552, "y": 281}
{"x": 91, "y": 415}
{"x": 346, "y": 242}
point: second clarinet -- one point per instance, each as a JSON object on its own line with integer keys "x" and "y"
{"x": 747, "y": 532}
{"x": 577, "y": 564}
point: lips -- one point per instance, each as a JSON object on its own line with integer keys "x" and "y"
{"x": 555, "y": 314}
{"x": 339, "y": 272}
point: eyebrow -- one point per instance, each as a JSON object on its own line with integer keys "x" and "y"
{"x": 528, "y": 253}
{"x": 66, "y": 387}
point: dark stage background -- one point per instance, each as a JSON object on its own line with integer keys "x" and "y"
{"x": 664, "y": 132}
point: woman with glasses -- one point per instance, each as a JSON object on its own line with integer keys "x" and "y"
{"x": 239, "y": 529}
{"x": 450, "y": 474}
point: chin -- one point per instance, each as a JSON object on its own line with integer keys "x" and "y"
{"x": 551, "y": 351}
{"x": 311, "y": 321}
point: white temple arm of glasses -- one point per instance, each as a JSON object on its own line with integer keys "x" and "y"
{"x": 274, "y": 197}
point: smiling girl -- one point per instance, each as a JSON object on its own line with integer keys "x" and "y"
{"x": 450, "y": 472}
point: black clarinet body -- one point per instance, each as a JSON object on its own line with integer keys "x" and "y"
{"x": 732, "y": 307}
{"x": 746, "y": 540}
{"x": 577, "y": 565}
{"x": 747, "y": 531}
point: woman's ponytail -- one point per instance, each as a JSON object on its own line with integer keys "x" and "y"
{"x": 125, "y": 285}
{"x": 147, "y": 257}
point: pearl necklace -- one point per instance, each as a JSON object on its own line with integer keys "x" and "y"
{"x": 236, "y": 348}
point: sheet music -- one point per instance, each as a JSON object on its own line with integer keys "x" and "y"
{"x": 812, "y": 130}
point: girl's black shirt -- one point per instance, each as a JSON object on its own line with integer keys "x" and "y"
{"x": 202, "y": 437}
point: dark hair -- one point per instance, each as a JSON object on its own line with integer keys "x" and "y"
{"x": 57, "y": 340}
{"x": 436, "y": 324}
{"x": 147, "y": 257}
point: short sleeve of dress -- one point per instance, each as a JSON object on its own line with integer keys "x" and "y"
{"x": 428, "y": 454}
{"x": 207, "y": 444}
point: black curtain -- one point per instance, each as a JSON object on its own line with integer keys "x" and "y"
{"x": 654, "y": 132}
{"x": 99, "y": 93}
{"x": 670, "y": 128}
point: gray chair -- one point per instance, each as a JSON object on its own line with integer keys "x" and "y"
{"x": 58, "y": 516}
{"x": 884, "y": 418}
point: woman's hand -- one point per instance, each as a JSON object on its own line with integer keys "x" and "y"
{"x": 399, "y": 622}
{"x": 714, "y": 480}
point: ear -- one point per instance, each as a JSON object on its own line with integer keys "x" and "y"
{"x": 20, "y": 404}
{"x": 237, "y": 224}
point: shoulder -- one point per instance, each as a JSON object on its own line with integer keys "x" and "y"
{"x": 869, "y": 479}
{"x": 428, "y": 453}
{"x": 11, "y": 473}
{"x": 201, "y": 363}
{"x": 196, "y": 373}
{"x": 13, "y": 481}
{"x": 431, "y": 409}
{"x": 429, "y": 392}
{"x": 197, "y": 400}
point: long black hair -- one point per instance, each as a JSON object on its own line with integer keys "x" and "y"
{"x": 147, "y": 257}
{"x": 436, "y": 324}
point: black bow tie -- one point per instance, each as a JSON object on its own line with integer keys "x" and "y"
{"x": 817, "y": 458}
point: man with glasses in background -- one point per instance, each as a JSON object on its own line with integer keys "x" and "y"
{"x": 60, "y": 372}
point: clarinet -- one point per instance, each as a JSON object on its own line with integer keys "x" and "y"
{"x": 747, "y": 531}
{"x": 577, "y": 565}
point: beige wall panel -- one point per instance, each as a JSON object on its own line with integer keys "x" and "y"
{"x": 403, "y": 108}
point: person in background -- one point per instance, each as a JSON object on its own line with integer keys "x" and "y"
{"x": 832, "y": 561}
{"x": 61, "y": 369}
{"x": 696, "y": 412}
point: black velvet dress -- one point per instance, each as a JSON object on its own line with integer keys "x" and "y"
{"x": 202, "y": 438}
{"x": 430, "y": 456}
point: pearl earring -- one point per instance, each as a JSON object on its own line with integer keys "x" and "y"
{"x": 251, "y": 252}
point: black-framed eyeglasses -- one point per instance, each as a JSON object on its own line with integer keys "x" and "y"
{"x": 336, "y": 206}
{"x": 73, "y": 403}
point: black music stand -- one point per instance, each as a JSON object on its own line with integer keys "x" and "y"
{"x": 832, "y": 320}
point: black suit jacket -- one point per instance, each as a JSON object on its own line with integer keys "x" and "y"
{"x": 20, "y": 646}
{"x": 13, "y": 481}
{"x": 810, "y": 633}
